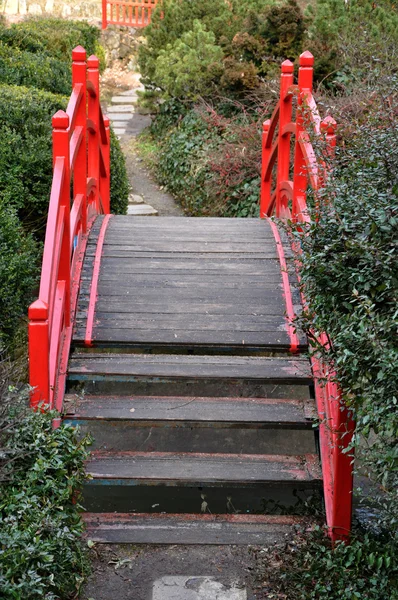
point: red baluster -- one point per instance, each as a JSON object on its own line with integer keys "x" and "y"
{"x": 300, "y": 177}
{"x": 285, "y": 117}
{"x": 104, "y": 19}
{"x": 265, "y": 190}
{"x": 94, "y": 121}
{"x": 60, "y": 122}
{"x": 105, "y": 188}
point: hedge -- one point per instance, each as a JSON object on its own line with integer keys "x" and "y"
{"x": 19, "y": 262}
{"x": 19, "y": 67}
{"x": 26, "y": 154}
{"x": 51, "y": 36}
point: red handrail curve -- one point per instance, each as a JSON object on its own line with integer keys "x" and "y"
{"x": 285, "y": 198}
{"x": 81, "y": 155}
{"x": 127, "y": 13}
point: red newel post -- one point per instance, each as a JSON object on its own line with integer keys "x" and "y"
{"x": 94, "y": 133}
{"x": 285, "y": 117}
{"x": 305, "y": 79}
{"x": 328, "y": 128}
{"x": 39, "y": 346}
{"x": 60, "y": 124}
{"x": 79, "y": 75}
{"x": 265, "y": 189}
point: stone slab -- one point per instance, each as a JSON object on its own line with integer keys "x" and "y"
{"x": 119, "y": 116}
{"x": 120, "y": 108}
{"x": 119, "y": 131}
{"x": 141, "y": 210}
{"x": 136, "y": 199}
{"x": 177, "y": 587}
{"x": 124, "y": 99}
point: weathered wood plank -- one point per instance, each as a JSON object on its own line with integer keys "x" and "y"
{"x": 197, "y": 468}
{"x": 287, "y": 370}
{"x": 247, "y": 411}
{"x": 217, "y": 338}
{"x": 212, "y": 307}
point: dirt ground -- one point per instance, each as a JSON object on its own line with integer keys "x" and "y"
{"x": 127, "y": 572}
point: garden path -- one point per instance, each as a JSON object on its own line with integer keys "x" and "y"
{"x": 128, "y": 123}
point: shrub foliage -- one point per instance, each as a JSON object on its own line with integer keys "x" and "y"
{"x": 41, "y": 553}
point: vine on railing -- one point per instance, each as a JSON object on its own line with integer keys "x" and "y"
{"x": 127, "y": 13}
{"x": 286, "y": 173}
{"x": 81, "y": 157}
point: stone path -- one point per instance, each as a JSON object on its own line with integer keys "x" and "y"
{"x": 148, "y": 199}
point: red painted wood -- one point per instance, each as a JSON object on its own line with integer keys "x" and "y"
{"x": 50, "y": 317}
{"x": 287, "y": 292}
{"x": 287, "y": 200}
{"x": 128, "y": 14}
{"x": 94, "y": 282}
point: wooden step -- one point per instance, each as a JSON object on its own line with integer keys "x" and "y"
{"x": 170, "y": 424}
{"x": 110, "y": 528}
{"x": 183, "y": 482}
{"x": 184, "y": 375}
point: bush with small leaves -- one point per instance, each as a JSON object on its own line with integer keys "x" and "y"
{"x": 41, "y": 473}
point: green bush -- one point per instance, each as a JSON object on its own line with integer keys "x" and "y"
{"x": 51, "y": 36}
{"x": 349, "y": 277}
{"x": 19, "y": 260}
{"x": 310, "y": 569}
{"x": 120, "y": 186}
{"x": 187, "y": 68}
{"x": 41, "y": 552}
{"x": 173, "y": 18}
{"x": 351, "y": 40}
{"x": 19, "y": 67}
{"x": 26, "y": 155}
{"x": 182, "y": 162}
{"x": 26, "y": 151}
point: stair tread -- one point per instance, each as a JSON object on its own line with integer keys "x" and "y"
{"x": 168, "y": 467}
{"x": 260, "y": 411}
{"x": 187, "y": 529}
{"x": 278, "y": 369}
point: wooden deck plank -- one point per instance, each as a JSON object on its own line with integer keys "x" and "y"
{"x": 286, "y": 370}
{"x": 198, "y": 281}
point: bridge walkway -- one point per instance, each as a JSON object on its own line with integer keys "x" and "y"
{"x": 197, "y": 405}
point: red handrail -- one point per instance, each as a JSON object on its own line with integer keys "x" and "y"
{"x": 283, "y": 194}
{"x": 81, "y": 146}
{"x": 127, "y": 13}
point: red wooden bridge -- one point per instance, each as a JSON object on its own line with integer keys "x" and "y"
{"x": 171, "y": 340}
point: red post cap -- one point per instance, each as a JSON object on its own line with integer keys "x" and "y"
{"x": 93, "y": 62}
{"x": 287, "y": 67}
{"x": 306, "y": 59}
{"x": 79, "y": 54}
{"x": 328, "y": 125}
{"x": 60, "y": 120}
{"x": 266, "y": 125}
{"x": 38, "y": 311}
{"x": 106, "y": 121}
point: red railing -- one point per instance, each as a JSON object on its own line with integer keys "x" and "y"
{"x": 129, "y": 14}
{"x": 287, "y": 169}
{"x": 81, "y": 155}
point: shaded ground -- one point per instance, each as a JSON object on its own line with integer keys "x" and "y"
{"x": 128, "y": 572}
